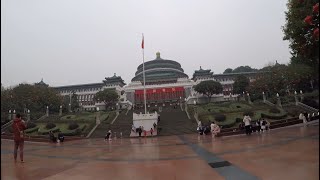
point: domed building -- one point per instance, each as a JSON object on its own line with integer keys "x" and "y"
{"x": 165, "y": 82}
{"x": 159, "y": 71}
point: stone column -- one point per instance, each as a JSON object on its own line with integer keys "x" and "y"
{"x": 28, "y": 115}
{"x": 14, "y": 114}
{"x": 60, "y": 111}
{"x": 301, "y": 95}
{"x": 98, "y": 117}
{"x": 249, "y": 99}
{"x": 47, "y": 111}
{"x": 10, "y": 115}
{"x": 296, "y": 98}
{"x": 278, "y": 101}
{"x": 264, "y": 97}
{"x": 230, "y": 98}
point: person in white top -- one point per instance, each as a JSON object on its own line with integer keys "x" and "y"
{"x": 212, "y": 127}
{"x": 301, "y": 116}
{"x": 247, "y": 124}
{"x": 216, "y": 129}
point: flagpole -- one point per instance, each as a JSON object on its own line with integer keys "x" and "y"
{"x": 144, "y": 79}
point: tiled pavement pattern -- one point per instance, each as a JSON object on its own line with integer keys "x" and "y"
{"x": 285, "y": 153}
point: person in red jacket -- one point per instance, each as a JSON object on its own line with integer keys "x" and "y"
{"x": 18, "y": 127}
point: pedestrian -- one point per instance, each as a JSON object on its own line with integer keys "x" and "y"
{"x": 108, "y": 136}
{"x": 18, "y": 127}
{"x": 247, "y": 125}
{"x": 151, "y": 131}
{"x": 258, "y": 125}
{"x": 140, "y": 131}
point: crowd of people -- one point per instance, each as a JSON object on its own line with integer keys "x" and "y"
{"x": 211, "y": 128}
{"x": 141, "y": 130}
{"x": 250, "y": 126}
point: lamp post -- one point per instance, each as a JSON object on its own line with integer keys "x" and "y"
{"x": 47, "y": 111}
{"x": 9, "y": 116}
{"x": 264, "y": 97}
{"x": 14, "y": 114}
{"x": 249, "y": 100}
{"x": 301, "y": 95}
{"x": 60, "y": 111}
{"x": 195, "y": 106}
{"x": 28, "y": 115}
{"x": 279, "y": 101}
{"x": 98, "y": 116}
{"x": 296, "y": 97}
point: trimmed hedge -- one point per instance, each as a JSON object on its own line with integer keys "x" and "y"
{"x": 249, "y": 113}
{"x": 238, "y": 120}
{"x": 31, "y": 125}
{"x": 274, "y": 110}
{"x": 31, "y": 130}
{"x": 44, "y": 131}
{"x": 73, "y": 126}
{"x": 273, "y": 116}
{"x": 50, "y": 125}
{"x": 220, "y": 117}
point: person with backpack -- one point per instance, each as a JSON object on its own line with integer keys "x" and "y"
{"x": 18, "y": 127}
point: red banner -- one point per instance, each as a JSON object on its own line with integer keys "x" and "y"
{"x": 160, "y": 90}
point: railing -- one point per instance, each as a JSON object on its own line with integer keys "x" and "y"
{"x": 5, "y": 126}
{"x": 42, "y": 117}
{"x": 307, "y": 107}
{"x": 269, "y": 103}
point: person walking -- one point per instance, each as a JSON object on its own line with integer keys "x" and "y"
{"x": 18, "y": 127}
{"x": 247, "y": 124}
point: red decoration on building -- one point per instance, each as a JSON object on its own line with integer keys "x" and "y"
{"x": 308, "y": 20}
{"x": 316, "y": 8}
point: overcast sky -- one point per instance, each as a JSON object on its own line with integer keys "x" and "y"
{"x": 83, "y": 41}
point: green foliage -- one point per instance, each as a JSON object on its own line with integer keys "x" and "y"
{"x": 304, "y": 47}
{"x": 248, "y": 113}
{"x": 274, "y": 110}
{"x": 244, "y": 69}
{"x": 31, "y": 130}
{"x": 220, "y": 117}
{"x": 50, "y": 125}
{"x": 241, "y": 84}
{"x": 73, "y": 125}
{"x": 228, "y": 70}
{"x": 108, "y": 96}
{"x": 208, "y": 88}
{"x": 34, "y": 98}
{"x": 31, "y": 125}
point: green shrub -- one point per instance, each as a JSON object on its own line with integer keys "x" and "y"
{"x": 43, "y": 131}
{"x": 31, "y": 130}
{"x": 310, "y": 102}
{"x": 238, "y": 120}
{"x": 273, "y": 116}
{"x": 50, "y": 125}
{"x": 220, "y": 117}
{"x": 274, "y": 110}
{"x": 31, "y": 125}
{"x": 248, "y": 113}
{"x": 73, "y": 125}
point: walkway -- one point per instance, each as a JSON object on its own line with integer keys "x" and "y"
{"x": 286, "y": 153}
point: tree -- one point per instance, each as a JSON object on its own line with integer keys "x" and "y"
{"x": 228, "y": 70}
{"x": 244, "y": 69}
{"x": 240, "y": 85}
{"x": 30, "y": 97}
{"x": 108, "y": 96}
{"x": 302, "y": 31}
{"x": 208, "y": 88}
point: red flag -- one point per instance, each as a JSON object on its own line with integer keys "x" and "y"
{"x": 142, "y": 44}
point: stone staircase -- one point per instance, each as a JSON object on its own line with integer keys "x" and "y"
{"x": 122, "y": 124}
{"x": 175, "y": 121}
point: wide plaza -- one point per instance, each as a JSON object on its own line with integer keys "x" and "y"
{"x": 284, "y": 153}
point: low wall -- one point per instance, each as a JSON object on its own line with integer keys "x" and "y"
{"x": 145, "y": 120}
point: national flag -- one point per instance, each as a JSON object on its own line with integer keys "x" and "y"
{"x": 142, "y": 44}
